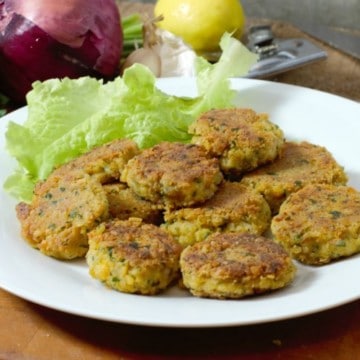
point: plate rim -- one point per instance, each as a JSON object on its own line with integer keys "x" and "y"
{"x": 66, "y": 309}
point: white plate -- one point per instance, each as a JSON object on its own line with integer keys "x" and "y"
{"x": 303, "y": 114}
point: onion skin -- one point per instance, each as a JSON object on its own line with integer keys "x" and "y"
{"x": 42, "y": 39}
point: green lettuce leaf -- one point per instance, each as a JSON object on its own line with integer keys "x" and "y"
{"x": 213, "y": 79}
{"x": 69, "y": 117}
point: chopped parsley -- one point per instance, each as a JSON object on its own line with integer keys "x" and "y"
{"x": 336, "y": 214}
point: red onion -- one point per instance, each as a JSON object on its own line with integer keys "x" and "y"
{"x": 42, "y": 39}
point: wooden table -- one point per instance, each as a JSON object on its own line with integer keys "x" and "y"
{"x": 338, "y": 74}
{"x": 33, "y": 332}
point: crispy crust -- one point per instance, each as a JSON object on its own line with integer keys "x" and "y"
{"x": 104, "y": 162}
{"x": 61, "y": 214}
{"x": 124, "y": 203}
{"x": 234, "y": 208}
{"x": 319, "y": 223}
{"x": 235, "y": 265}
{"x": 300, "y": 164}
{"x": 133, "y": 257}
{"x": 173, "y": 174}
{"x": 240, "y": 138}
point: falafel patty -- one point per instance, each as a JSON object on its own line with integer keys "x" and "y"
{"x": 298, "y": 165}
{"x": 235, "y": 265}
{"x": 104, "y": 162}
{"x": 240, "y": 138}
{"x": 133, "y": 257}
{"x": 62, "y": 212}
{"x": 319, "y": 223}
{"x": 173, "y": 174}
{"x": 124, "y": 203}
{"x": 233, "y": 208}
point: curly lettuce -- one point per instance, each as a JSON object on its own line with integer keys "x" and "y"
{"x": 69, "y": 117}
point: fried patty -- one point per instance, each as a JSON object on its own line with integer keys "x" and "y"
{"x": 233, "y": 208}
{"x": 299, "y": 164}
{"x": 104, "y": 162}
{"x": 133, "y": 257}
{"x": 62, "y": 213}
{"x": 319, "y": 223}
{"x": 235, "y": 265}
{"x": 240, "y": 138}
{"x": 173, "y": 174}
{"x": 124, "y": 203}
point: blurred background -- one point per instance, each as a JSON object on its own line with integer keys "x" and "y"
{"x": 327, "y": 12}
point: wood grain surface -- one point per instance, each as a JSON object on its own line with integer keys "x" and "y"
{"x": 29, "y": 332}
{"x": 338, "y": 74}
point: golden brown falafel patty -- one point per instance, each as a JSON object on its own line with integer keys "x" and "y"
{"x": 240, "y": 138}
{"x": 104, "y": 162}
{"x": 319, "y": 223}
{"x": 173, "y": 174}
{"x": 234, "y": 265}
{"x": 299, "y": 164}
{"x": 124, "y": 203}
{"x": 133, "y": 257}
{"x": 233, "y": 208}
{"x": 61, "y": 214}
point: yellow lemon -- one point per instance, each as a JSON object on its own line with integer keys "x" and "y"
{"x": 201, "y": 23}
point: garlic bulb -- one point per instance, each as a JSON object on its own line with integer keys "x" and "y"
{"x": 177, "y": 58}
{"x": 164, "y": 53}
